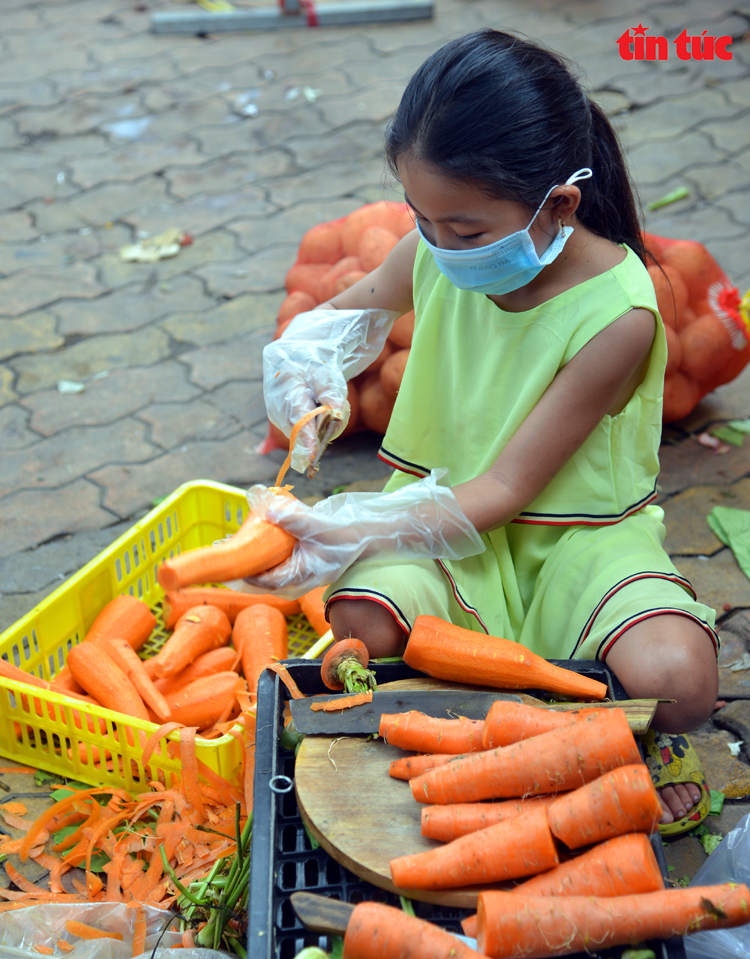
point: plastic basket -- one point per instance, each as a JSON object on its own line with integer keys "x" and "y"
{"x": 47, "y": 730}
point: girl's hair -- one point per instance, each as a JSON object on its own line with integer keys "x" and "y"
{"x": 503, "y": 112}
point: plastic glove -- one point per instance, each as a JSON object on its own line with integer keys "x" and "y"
{"x": 420, "y": 521}
{"x": 310, "y": 364}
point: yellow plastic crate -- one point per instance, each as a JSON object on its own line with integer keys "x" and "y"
{"x": 196, "y": 514}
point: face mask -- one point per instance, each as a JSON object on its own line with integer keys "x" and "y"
{"x": 505, "y": 265}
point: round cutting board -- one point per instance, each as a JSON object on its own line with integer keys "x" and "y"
{"x": 361, "y": 816}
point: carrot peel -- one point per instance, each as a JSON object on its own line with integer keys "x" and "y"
{"x": 345, "y": 702}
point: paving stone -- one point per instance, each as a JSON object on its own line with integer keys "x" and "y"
{"x": 690, "y": 464}
{"x": 233, "y": 461}
{"x": 100, "y": 205}
{"x": 174, "y": 424}
{"x": 53, "y": 251}
{"x": 352, "y": 144}
{"x": 18, "y": 187}
{"x": 735, "y": 642}
{"x": 716, "y": 180}
{"x": 261, "y": 273}
{"x": 241, "y": 400}
{"x": 235, "y": 135}
{"x": 225, "y": 322}
{"x": 31, "y": 517}
{"x": 688, "y": 533}
{"x": 39, "y": 93}
{"x": 90, "y": 356}
{"x": 16, "y": 227}
{"x": 705, "y": 222}
{"x": 119, "y": 394}
{"x": 136, "y": 160}
{"x": 33, "y": 289}
{"x": 49, "y": 463}
{"x": 335, "y": 180}
{"x": 730, "y": 254}
{"x": 717, "y": 580}
{"x": 26, "y": 70}
{"x": 14, "y": 431}
{"x": 736, "y": 719}
{"x": 652, "y": 162}
{"x": 186, "y": 115}
{"x": 78, "y": 115}
{"x": 132, "y": 306}
{"x": 289, "y": 226}
{"x": 276, "y": 128}
{"x": 61, "y": 150}
{"x": 672, "y": 117}
{"x": 724, "y": 773}
{"x": 7, "y": 393}
{"x": 227, "y": 174}
{"x": 738, "y": 92}
{"x": 211, "y": 366}
{"x": 375, "y": 103}
{"x": 29, "y": 335}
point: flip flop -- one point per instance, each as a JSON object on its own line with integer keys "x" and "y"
{"x": 671, "y": 759}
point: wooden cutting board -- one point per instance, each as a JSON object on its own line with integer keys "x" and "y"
{"x": 361, "y": 816}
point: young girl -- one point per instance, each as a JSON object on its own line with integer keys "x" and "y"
{"x": 535, "y": 378}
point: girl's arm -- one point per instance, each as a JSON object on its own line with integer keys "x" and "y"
{"x": 570, "y": 409}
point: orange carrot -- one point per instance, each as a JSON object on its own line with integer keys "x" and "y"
{"x": 230, "y": 601}
{"x": 202, "y": 702}
{"x": 556, "y": 761}
{"x": 344, "y": 666}
{"x": 200, "y": 629}
{"x": 509, "y": 924}
{"x": 126, "y": 617}
{"x": 508, "y": 722}
{"x": 313, "y": 607}
{"x": 84, "y": 931}
{"x": 95, "y": 671}
{"x": 64, "y": 946}
{"x": 414, "y": 730}
{"x": 519, "y": 847}
{"x": 123, "y": 656}
{"x": 286, "y": 678}
{"x": 346, "y": 702}
{"x": 9, "y": 671}
{"x": 45, "y": 950}
{"x": 620, "y": 866}
{"x": 445, "y": 651}
{"x": 260, "y": 637}
{"x": 620, "y": 801}
{"x": 221, "y": 660}
{"x": 377, "y": 931}
{"x": 447, "y": 823}
{"x": 412, "y": 766}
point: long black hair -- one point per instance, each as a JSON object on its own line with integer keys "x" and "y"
{"x": 502, "y": 112}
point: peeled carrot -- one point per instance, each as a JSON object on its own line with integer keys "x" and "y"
{"x": 201, "y": 628}
{"x": 512, "y": 925}
{"x": 122, "y": 654}
{"x": 447, "y": 823}
{"x": 203, "y": 702}
{"x": 126, "y": 617}
{"x": 508, "y": 722}
{"x": 99, "y": 676}
{"x": 519, "y": 847}
{"x": 620, "y": 801}
{"x": 376, "y": 930}
{"x": 9, "y": 671}
{"x": 556, "y": 761}
{"x": 445, "y": 651}
{"x": 314, "y": 609}
{"x": 230, "y": 601}
{"x": 412, "y": 766}
{"x": 415, "y": 730}
{"x": 260, "y": 637}
{"x": 221, "y": 660}
{"x": 84, "y": 931}
{"x": 620, "y": 866}
{"x": 254, "y": 548}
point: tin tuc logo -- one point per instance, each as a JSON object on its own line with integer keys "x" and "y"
{"x": 637, "y": 46}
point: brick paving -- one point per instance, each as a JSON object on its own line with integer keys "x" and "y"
{"x": 109, "y": 132}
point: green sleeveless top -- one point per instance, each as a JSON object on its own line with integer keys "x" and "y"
{"x": 475, "y": 372}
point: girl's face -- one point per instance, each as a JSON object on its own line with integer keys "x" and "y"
{"x": 455, "y": 215}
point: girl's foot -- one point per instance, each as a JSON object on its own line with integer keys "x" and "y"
{"x": 678, "y": 800}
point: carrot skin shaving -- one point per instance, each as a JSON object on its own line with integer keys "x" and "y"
{"x": 84, "y": 931}
{"x": 345, "y": 702}
{"x": 45, "y": 950}
{"x": 50, "y": 814}
{"x": 64, "y": 946}
{"x": 285, "y": 677}
{"x": 301, "y": 422}
{"x": 190, "y": 770}
{"x": 426, "y": 734}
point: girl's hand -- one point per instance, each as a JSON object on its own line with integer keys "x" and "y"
{"x": 421, "y": 520}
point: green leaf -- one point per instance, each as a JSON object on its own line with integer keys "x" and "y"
{"x": 671, "y": 868}
{"x": 339, "y": 489}
{"x": 64, "y": 833}
{"x": 681, "y": 193}
{"x": 313, "y": 841}
{"x": 710, "y": 841}
{"x": 638, "y": 954}
{"x": 67, "y": 790}
{"x": 158, "y": 500}
{"x": 717, "y": 802}
{"x": 729, "y": 435}
{"x": 406, "y": 905}
{"x": 742, "y": 426}
{"x": 337, "y": 947}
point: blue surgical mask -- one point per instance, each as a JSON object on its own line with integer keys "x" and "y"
{"x": 505, "y": 265}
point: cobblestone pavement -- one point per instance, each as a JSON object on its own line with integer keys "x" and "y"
{"x": 109, "y": 132}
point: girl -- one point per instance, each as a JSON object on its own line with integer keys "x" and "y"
{"x": 535, "y": 377}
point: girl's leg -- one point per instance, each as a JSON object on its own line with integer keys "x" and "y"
{"x": 370, "y": 622}
{"x": 670, "y": 657}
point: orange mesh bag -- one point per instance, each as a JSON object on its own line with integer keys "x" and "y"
{"x": 707, "y": 323}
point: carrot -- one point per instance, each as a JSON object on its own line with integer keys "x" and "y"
{"x": 202, "y": 702}
{"x": 84, "y": 931}
{"x": 346, "y": 702}
{"x": 706, "y": 345}
{"x": 45, "y": 950}
{"x": 508, "y": 722}
{"x": 230, "y": 601}
{"x": 620, "y": 866}
{"x": 255, "y": 547}
{"x": 121, "y": 653}
{"x": 221, "y": 660}
{"x": 522, "y": 846}
{"x": 377, "y": 931}
{"x": 389, "y": 216}
{"x": 297, "y": 302}
{"x": 260, "y": 637}
{"x": 556, "y": 761}
{"x": 681, "y": 394}
{"x": 322, "y": 243}
{"x": 346, "y": 264}
{"x": 412, "y": 766}
{"x": 402, "y": 331}
{"x": 375, "y": 244}
{"x": 95, "y": 671}
{"x": 201, "y": 629}
{"x": 620, "y": 801}
{"x": 414, "y": 730}
{"x": 447, "y": 823}
{"x": 445, "y": 651}
{"x": 126, "y": 617}
{"x": 314, "y": 609}
{"x": 509, "y": 924}
{"x": 9, "y": 671}
{"x": 375, "y": 405}
{"x": 306, "y": 277}
{"x": 64, "y": 946}
{"x": 392, "y": 372}
{"x": 344, "y": 666}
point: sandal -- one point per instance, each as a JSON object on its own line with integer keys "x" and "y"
{"x": 671, "y": 759}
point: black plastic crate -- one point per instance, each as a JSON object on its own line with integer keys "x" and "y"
{"x": 283, "y": 860}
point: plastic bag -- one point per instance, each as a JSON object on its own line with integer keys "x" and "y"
{"x": 42, "y": 925}
{"x": 729, "y": 862}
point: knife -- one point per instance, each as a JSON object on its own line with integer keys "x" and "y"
{"x": 365, "y": 719}
{"x": 331, "y": 916}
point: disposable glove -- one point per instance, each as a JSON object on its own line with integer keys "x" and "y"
{"x": 309, "y": 365}
{"x": 420, "y": 521}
